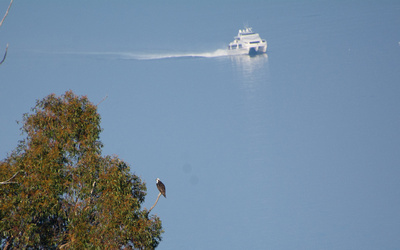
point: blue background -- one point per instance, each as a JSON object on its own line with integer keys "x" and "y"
{"x": 297, "y": 149}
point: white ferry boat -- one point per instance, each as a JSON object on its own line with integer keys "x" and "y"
{"x": 247, "y": 42}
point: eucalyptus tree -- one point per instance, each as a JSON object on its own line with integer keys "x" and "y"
{"x": 59, "y": 191}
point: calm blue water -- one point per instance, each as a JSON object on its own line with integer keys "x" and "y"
{"x": 296, "y": 149}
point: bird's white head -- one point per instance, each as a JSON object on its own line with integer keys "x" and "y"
{"x": 157, "y": 180}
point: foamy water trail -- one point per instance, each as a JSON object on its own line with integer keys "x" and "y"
{"x": 157, "y": 56}
{"x": 145, "y": 56}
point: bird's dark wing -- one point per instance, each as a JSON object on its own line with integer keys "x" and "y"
{"x": 161, "y": 188}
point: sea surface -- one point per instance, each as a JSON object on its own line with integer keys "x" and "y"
{"x": 294, "y": 149}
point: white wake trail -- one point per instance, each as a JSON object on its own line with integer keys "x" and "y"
{"x": 143, "y": 55}
{"x": 157, "y": 56}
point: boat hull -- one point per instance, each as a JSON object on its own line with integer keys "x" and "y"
{"x": 248, "y": 51}
{"x": 257, "y": 50}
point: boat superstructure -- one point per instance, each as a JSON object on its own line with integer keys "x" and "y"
{"x": 247, "y": 42}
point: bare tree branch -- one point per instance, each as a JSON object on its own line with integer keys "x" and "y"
{"x": 102, "y": 100}
{"x": 155, "y": 202}
{"x": 1, "y": 23}
{"x": 94, "y": 183}
{"x": 91, "y": 192}
{"x": 65, "y": 245}
{"x": 9, "y": 180}
{"x": 9, "y": 6}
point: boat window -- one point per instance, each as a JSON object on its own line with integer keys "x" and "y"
{"x": 255, "y": 42}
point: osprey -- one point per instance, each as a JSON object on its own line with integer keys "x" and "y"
{"x": 161, "y": 187}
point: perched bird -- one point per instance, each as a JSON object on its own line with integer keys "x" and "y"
{"x": 161, "y": 187}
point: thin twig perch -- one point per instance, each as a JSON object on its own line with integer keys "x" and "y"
{"x": 102, "y": 100}
{"x": 1, "y": 23}
{"x": 158, "y": 197}
{"x": 9, "y": 6}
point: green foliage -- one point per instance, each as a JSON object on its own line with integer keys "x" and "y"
{"x": 67, "y": 195}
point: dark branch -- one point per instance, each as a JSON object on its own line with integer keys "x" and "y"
{"x": 5, "y": 54}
